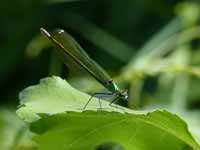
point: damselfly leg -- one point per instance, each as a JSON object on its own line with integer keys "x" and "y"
{"x": 99, "y": 96}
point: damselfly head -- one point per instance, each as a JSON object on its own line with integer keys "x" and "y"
{"x": 123, "y": 94}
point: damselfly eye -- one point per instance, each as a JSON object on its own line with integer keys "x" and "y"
{"x": 124, "y": 94}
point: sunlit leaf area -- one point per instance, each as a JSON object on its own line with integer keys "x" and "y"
{"x": 102, "y": 75}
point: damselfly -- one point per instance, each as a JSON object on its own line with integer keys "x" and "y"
{"x": 68, "y": 47}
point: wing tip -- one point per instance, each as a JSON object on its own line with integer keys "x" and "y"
{"x": 45, "y": 32}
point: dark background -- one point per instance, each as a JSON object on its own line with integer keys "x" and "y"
{"x": 133, "y": 22}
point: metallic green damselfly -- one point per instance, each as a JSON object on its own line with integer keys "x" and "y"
{"x": 68, "y": 47}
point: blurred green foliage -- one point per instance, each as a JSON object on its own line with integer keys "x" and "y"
{"x": 112, "y": 26}
{"x": 151, "y": 48}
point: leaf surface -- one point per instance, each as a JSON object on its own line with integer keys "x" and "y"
{"x": 53, "y": 109}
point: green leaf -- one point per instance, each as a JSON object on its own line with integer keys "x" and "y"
{"x": 75, "y": 130}
{"x": 55, "y": 95}
{"x": 53, "y": 109}
{"x": 14, "y": 133}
